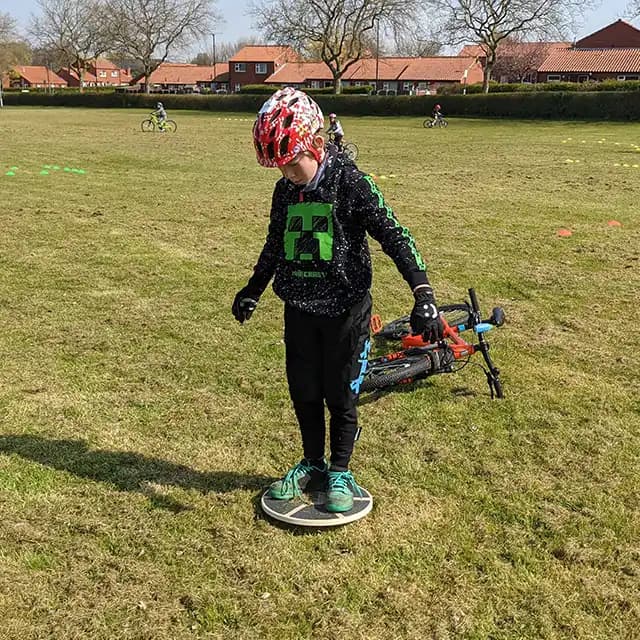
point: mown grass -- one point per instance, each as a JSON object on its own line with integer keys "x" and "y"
{"x": 140, "y": 422}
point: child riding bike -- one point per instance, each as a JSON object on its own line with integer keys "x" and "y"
{"x": 161, "y": 115}
{"x": 335, "y": 130}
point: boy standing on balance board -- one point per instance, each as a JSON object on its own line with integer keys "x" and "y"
{"x": 316, "y": 250}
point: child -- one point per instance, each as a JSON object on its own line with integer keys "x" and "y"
{"x": 161, "y": 114}
{"x": 436, "y": 115}
{"x": 316, "y": 248}
{"x": 335, "y": 129}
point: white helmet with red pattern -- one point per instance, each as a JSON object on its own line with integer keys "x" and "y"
{"x": 286, "y": 125}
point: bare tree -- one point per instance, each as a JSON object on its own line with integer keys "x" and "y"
{"x": 13, "y": 50}
{"x": 73, "y": 28}
{"x": 148, "y": 30}
{"x": 489, "y": 22}
{"x": 224, "y": 51}
{"x": 413, "y": 43}
{"x": 518, "y": 61}
{"x": 633, "y": 9}
{"x": 338, "y": 32}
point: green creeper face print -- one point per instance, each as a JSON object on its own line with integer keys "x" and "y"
{"x": 309, "y": 232}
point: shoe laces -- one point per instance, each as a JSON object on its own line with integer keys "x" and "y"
{"x": 343, "y": 482}
{"x": 296, "y": 472}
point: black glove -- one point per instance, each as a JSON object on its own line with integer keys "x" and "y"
{"x": 244, "y": 304}
{"x": 425, "y": 317}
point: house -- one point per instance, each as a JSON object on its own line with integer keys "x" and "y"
{"x": 253, "y": 64}
{"x": 173, "y": 77}
{"x": 98, "y": 73}
{"x": 438, "y": 71}
{"x": 36, "y": 77}
{"x": 613, "y": 52}
{"x": 387, "y": 75}
{"x": 515, "y": 61}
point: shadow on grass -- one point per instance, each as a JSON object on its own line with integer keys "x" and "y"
{"x": 125, "y": 470}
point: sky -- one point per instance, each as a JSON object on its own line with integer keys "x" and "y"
{"x": 237, "y": 24}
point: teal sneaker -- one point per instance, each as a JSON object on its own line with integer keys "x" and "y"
{"x": 300, "y": 477}
{"x": 341, "y": 488}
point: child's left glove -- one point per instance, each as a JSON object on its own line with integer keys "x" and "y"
{"x": 425, "y": 318}
{"x": 244, "y": 304}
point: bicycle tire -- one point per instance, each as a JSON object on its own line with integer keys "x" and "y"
{"x": 415, "y": 366}
{"x": 147, "y": 125}
{"x": 444, "y": 123}
{"x": 427, "y": 124}
{"x": 170, "y": 125}
{"x": 350, "y": 150}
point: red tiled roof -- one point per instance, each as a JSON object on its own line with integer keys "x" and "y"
{"x": 388, "y": 69}
{"x": 264, "y": 53}
{"x": 617, "y": 34}
{"x": 511, "y": 48}
{"x": 592, "y": 60}
{"x": 39, "y": 75}
{"x": 188, "y": 74}
{"x": 443, "y": 69}
{"x": 299, "y": 72}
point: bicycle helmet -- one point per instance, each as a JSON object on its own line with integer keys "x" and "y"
{"x": 159, "y": 105}
{"x": 332, "y": 116}
{"x": 285, "y": 126}
{"x": 437, "y": 107}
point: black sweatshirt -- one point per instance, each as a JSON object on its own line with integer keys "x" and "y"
{"x": 316, "y": 244}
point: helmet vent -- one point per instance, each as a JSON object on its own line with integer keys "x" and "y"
{"x": 287, "y": 121}
{"x": 284, "y": 145}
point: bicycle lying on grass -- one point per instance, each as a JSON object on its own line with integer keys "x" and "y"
{"x": 419, "y": 359}
{"x": 349, "y": 149}
{"x": 152, "y": 123}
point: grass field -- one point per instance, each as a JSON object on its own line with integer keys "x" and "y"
{"x": 139, "y": 422}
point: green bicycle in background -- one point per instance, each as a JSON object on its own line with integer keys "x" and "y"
{"x": 152, "y": 123}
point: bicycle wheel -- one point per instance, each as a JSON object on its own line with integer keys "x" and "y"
{"x": 389, "y": 374}
{"x": 443, "y": 123}
{"x": 147, "y": 125}
{"x": 427, "y": 124}
{"x": 350, "y": 150}
{"x": 170, "y": 125}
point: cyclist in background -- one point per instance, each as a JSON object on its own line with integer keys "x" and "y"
{"x": 161, "y": 114}
{"x": 335, "y": 129}
{"x": 437, "y": 115}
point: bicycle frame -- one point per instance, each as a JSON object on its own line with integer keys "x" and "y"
{"x": 453, "y": 346}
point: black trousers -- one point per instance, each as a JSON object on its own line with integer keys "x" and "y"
{"x": 326, "y": 360}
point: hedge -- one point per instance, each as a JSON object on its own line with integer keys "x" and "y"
{"x": 504, "y": 87}
{"x": 559, "y": 105}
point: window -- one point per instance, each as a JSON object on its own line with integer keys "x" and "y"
{"x": 102, "y": 74}
{"x": 237, "y": 87}
{"x": 315, "y": 84}
{"x": 261, "y": 67}
{"x": 328, "y": 83}
{"x": 583, "y": 78}
{"x": 114, "y": 74}
{"x": 632, "y": 77}
{"x": 240, "y": 67}
{"x": 553, "y": 78}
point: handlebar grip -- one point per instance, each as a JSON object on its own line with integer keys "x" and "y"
{"x": 474, "y": 300}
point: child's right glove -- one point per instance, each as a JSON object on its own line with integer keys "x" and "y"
{"x": 425, "y": 318}
{"x": 244, "y": 304}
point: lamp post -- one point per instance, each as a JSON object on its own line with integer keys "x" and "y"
{"x": 377, "y": 51}
{"x": 213, "y": 42}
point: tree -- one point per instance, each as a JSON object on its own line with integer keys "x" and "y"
{"x": 147, "y": 30}
{"x": 13, "y": 51}
{"x": 338, "y": 32}
{"x": 633, "y": 9}
{"x": 490, "y": 22}
{"x": 74, "y": 29}
{"x": 224, "y": 51}
{"x": 518, "y": 61}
